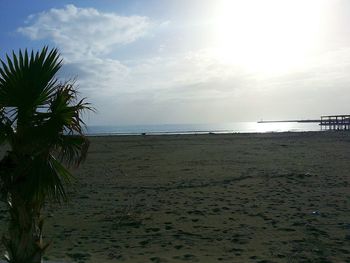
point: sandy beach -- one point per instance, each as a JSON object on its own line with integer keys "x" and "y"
{"x": 282, "y": 197}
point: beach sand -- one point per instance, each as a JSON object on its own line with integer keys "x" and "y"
{"x": 282, "y": 197}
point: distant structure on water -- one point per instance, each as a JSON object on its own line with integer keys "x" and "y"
{"x": 335, "y": 122}
{"x": 327, "y": 122}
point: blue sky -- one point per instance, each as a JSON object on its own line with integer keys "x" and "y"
{"x": 193, "y": 61}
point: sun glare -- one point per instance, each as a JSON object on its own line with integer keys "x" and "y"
{"x": 267, "y": 36}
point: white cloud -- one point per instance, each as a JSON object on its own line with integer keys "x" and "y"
{"x": 85, "y": 31}
{"x": 86, "y": 38}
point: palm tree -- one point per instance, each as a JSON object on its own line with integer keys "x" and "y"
{"x": 40, "y": 121}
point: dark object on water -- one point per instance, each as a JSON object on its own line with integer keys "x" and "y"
{"x": 328, "y": 122}
{"x": 335, "y": 122}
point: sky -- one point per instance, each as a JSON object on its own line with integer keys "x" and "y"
{"x": 193, "y": 61}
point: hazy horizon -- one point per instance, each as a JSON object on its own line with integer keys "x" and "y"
{"x": 198, "y": 61}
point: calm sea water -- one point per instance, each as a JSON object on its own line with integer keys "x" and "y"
{"x": 236, "y": 127}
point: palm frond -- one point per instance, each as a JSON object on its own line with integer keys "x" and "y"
{"x": 72, "y": 149}
{"x": 6, "y": 131}
{"x": 28, "y": 80}
{"x": 45, "y": 178}
{"x": 66, "y": 111}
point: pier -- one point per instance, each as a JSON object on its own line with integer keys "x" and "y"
{"x": 327, "y": 122}
{"x": 335, "y": 122}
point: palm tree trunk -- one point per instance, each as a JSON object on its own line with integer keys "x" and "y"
{"x": 24, "y": 244}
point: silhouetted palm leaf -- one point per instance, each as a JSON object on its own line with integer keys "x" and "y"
{"x": 40, "y": 119}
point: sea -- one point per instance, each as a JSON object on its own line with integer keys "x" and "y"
{"x": 235, "y": 127}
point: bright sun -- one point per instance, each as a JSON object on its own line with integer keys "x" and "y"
{"x": 267, "y": 35}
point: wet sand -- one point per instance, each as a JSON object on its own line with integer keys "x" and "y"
{"x": 207, "y": 198}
